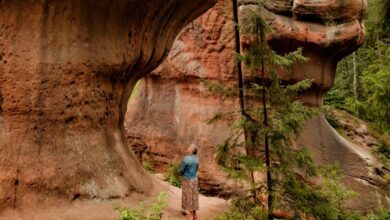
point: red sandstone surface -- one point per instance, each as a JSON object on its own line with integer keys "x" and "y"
{"x": 172, "y": 106}
{"x": 67, "y": 69}
{"x": 169, "y": 110}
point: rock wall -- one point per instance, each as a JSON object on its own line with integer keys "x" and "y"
{"x": 67, "y": 68}
{"x": 172, "y": 105}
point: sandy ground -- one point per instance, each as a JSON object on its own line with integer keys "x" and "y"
{"x": 104, "y": 210}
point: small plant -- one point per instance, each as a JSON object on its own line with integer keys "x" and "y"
{"x": 387, "y": 178}
{"x": 384, "y": 150}
{"x": 127, "y": 214}
{"x": 382, "y": 215}
{"x": 332, "y": 186}
{"x": 157, "y": 209}
{"x": 155, "y": 212}
{"x": 148, "y": 165}
{"x": 331, "y": 118}
{"x": 135, "y": 90}
{"x": 172, "y": 175}
{"x": 243, "y": 209}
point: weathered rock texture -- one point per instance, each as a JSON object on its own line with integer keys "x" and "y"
{"x": 326, "y": 30}
{"x": 67, "y": 68}
{"x": 172, "y": 105}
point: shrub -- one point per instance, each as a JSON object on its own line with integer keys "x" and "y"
{"x": 155, "y": 212}
{"x": 172, "y": 176}
{"x": 243, "y": 209}
{"x": 148, "y": 165}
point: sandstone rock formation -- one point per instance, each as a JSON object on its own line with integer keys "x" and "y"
{"x": 326, "y": 30}
{"x": 172, "y": 105}
{"x": 67, "y": 69}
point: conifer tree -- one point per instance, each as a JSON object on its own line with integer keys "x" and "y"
{"x": 272, "y": 117}
{"x": 366, "y": 93}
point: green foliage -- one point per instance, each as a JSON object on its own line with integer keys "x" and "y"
{"x": 330, "y": 117}
{"x": 382, "y": 215}
{"x": 374, "y": 102}
{"x": 148, "y": 165}
{"x": 379, "y": 215}
{"x": 172, "y": 175}
{"x": 373, "y": 72}
{"x": 135, "y": 89}
{"x": 155, "y": 212}
{"x": 127, "y": 214}
{"x": 243, "y": 209}
{"x": 277, "y": 120}
{"x": 321, "y": 201}
{"x": 383, "y": 151}
{"x": 246, "y": 209}
{"x": 298, "y": 187}
{"x": 387, "y": 178}
{"x": 377, "y": 20}
{"x": 335, "y": 192}
{"x": 326, "y": 201}
{"x": 219, "y": 89}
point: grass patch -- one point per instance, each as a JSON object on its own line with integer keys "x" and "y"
{"x": 148, "y": 166}
{"x": 154, "y": 212}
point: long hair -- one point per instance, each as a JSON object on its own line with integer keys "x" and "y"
{"x": 194, "y": 149}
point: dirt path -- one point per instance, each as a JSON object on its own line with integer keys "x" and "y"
{"x": 209, "y": 206}
{"x": 104, "y": 210}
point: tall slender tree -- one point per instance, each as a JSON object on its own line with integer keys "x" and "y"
{"x": 271, "y": 121}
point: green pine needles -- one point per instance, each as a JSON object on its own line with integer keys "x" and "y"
{"x": 369, "y": 96}
{"x": 265, "y": 141}
{"x": 362, "y": 80}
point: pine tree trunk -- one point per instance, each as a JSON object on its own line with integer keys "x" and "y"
{"x": 241, "y": 82}
{"x": 266, "y": 141}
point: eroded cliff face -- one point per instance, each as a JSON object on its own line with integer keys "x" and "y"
{"x": 172, "y": 106}
{"x": 67, "y": 69}
{"x": 325, "y": 30}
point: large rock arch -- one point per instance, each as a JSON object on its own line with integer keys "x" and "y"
{"x": 67, "y": 69}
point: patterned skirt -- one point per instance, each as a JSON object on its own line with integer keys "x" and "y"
{"x": 190, "y": 195}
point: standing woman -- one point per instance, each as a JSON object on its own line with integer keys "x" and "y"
{"x": 189, "y": 171}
